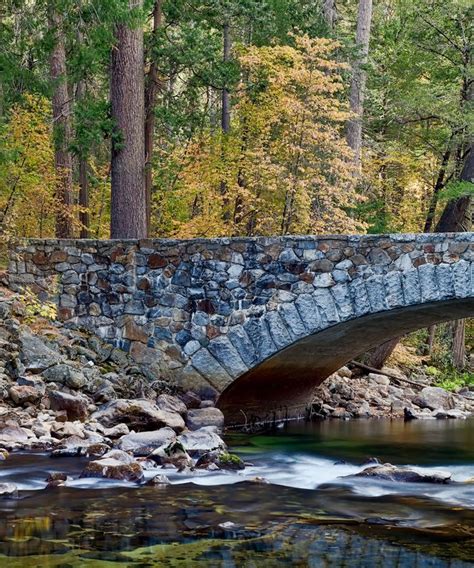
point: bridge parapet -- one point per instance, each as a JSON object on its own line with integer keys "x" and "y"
{"x": 205, "y": 312}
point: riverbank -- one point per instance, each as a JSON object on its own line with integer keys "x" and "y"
{"x": 66, "y": 393}
{"x": 349, "y": 393}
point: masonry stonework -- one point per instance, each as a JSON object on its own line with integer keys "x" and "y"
{"x": 204, "y": 312}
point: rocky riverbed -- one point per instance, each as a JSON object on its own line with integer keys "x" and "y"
{"x": 67, "y": 393}
{"x": 350, "y": 394}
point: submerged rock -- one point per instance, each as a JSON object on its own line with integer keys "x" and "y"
{"x": 391, "y": 472}
{"x": 230, "y": 461}
{"x": 56, "y": 479}
{"x": 175, "y": 455}
{"x": 442, "y": 414}
{"x": 158, "y": 481}
{"x": 8, "y": 490}
{"x": 115, "y": 465}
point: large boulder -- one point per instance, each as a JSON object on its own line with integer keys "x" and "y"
{"x": 434, "y": 398}
{"x": 171, "y": 404}
{"x": 173, "y": 455}
{"x": 75, "y": 406}
{"x": 13, "y": 434}
{"x": 143, "y": 443}
{"x": 391, "y": 472}
{"x": 199, "y": 417}
{"x": 35, "y": 355}
{"x": 202, "y": 441}
{"x": 73, "y": 446}
{"x": 65, "y": 375}
{"x": 115, "y": 464}
{"x": 138, "y": 414}
{"x": 24, "y": 394}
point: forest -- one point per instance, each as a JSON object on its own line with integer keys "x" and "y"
{"x": 186, "y": 118}
{"x": 234, "y": 117}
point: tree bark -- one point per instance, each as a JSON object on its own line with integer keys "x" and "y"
{"x": 61, "y": 125}
{"x": 151, "y": 90}
{"x": 225, "y": 117}
{"x": 330, "y": 13}
{"x": 358, "y": 81}
{"x": 127, "y": 96}
{"x": 381, "y": 353}
{"x": 459, "y": 344}
{"x": 84, "y": 216}
{"x": 437, "y": 188}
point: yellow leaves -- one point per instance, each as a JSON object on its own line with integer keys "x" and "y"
{"x": 285, "y": 164}
{"x": 27, "y": 180}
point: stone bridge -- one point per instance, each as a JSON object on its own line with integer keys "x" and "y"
{"x": 262, "y": 321}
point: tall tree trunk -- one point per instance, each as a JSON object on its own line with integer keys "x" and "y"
{"x": 359, "y": 77}
{"x": 437, "y": 188}
{"x": 225, "y": 117}
{"x": 151, "y": 89}
{"x": 127, "y": 96}
{"x": 61, "y": 124}
{"x": 457, "y": 217}
{"x": 380, "y": 354}
{"x": 330, "y": 13}
{"x": 84, "y": 216}
{"x": 459, "y": 344}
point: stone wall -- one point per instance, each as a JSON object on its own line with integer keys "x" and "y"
{"x": 204, "y": 312}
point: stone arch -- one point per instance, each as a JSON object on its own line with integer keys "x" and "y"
{"x": 281, "y": 385}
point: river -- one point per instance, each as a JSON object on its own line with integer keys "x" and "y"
{"x": 310, "y": 514}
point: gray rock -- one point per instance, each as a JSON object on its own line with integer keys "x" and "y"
{"x": 159, "y": 480}
{"x": 389, "y": 472}
{"x": 210, "y": 368}
{"x": 308, "y": 312}
{"x": 23, "y": 394}
{"x": 173, "y": 455}
{"x": 138, "y": 414}
{"x": 434, "y": 398}
{"x": 244, "y": 346}
{"x": 379, "y": 379}
{"x": 171, "y": 404}
{"x": 201, "y": 441}
{"x": 64, "y": 374}
{"x": 75, "y": 406}
{"x": 13, "y": 434}
{"x": 442, "y": 414}
{"x": 35, "y": 355}
{"x": 143, "y": 443}
{"x": 115, "y": 465}
{"x": 8, "y": 490}
{"x": 200, "y": 417}
{"x": 223, "y": 350}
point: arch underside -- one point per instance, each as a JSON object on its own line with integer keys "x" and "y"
{"x": 281, "y": 386}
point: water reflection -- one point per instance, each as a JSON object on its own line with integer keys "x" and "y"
{"x": 329, "y": 523}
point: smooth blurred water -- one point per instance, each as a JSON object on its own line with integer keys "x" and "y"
{"x": 310, "y": 514}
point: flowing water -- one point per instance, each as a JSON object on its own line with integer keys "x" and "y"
{"x": 310, "y": 514}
